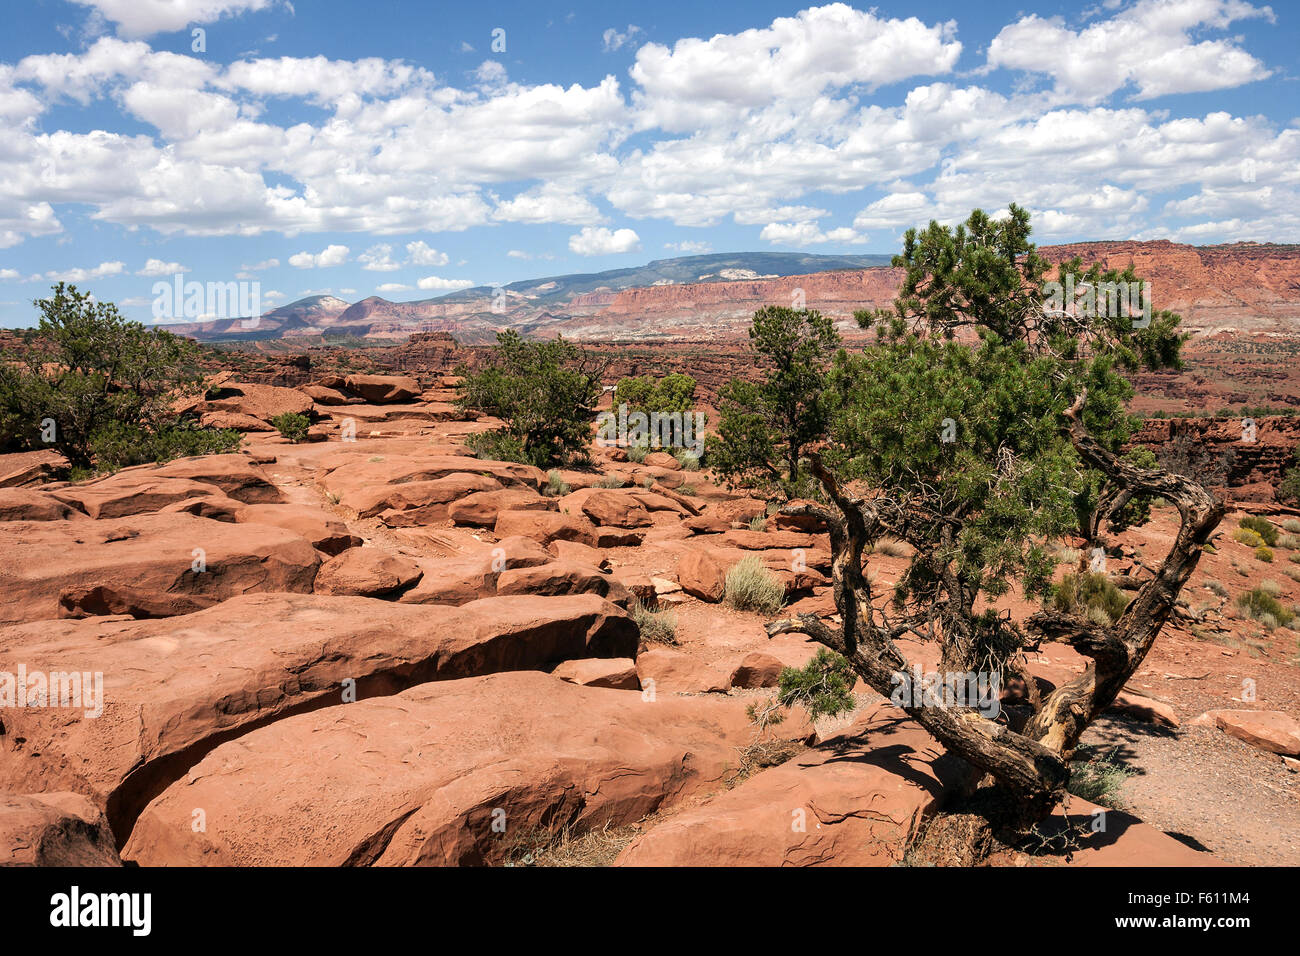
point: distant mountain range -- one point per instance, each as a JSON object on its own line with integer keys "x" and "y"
{"x": 1245, "y": 285}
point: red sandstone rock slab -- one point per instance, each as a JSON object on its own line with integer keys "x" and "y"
{"x": 21, "y": 468}
{"x": 1121, "y": 840}
{"x": 368, "y": 572}
{"x": 853, "y": 801}
{"x": 257, "y": 401}
{"x": 616, "y": 673}
{"x": 163, "y": 555}
{"x": 676, "y": 672}
{"x": 383, "y": 389}
{"x": 1270, "y": 730}
{"x": 420, "y": 778}
{"x": 325, "y": 532}
{"x": 237, "y": 475}
{"x": 422, "y": 496}
{"x": 353, "y": 471}
{"x": 132, "y": 493}
{"x": 54, "y": 829}
{"x": 615, "y": 508}
{"x": 481, "y": 509}
{"x": 28, "y": 504}
{"x": 174, "y": 688}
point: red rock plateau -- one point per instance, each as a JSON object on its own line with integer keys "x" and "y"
{"x": 372, "y": 648}
{"x": 1243, "y": 287}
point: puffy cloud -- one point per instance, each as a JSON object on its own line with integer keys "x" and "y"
{"x": 331, "y": 255}
{"x": 156, "y": 267}
{"x": 1148, "y": 45}
{"x": 103, "y": 270}
{"x": 807, "y": 233}
{"x": 445, "y": 285}
{"x": 379, "y": 258}
{"x": 548, "y": 203}
{"x": 138, "y": 18}
{"x": 420, "y": 253}
{"x": 392, "y": 287}
{"x": 599, "y": 241}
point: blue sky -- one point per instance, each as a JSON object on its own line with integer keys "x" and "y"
{"x": 387, "y": 148}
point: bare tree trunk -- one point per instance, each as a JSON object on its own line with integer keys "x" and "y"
{"x": 1031, "y": 765}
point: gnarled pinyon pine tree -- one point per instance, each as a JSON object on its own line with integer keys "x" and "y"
{"x": 980, "y": 426}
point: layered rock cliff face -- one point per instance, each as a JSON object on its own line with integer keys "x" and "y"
{"x": 1249, "y": 463}
{"x": 1244, "y": 286}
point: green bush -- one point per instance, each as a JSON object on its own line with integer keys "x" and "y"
{"x": 1263, "y": 554}
{"x": 824, "y": 686}
{"x": 292, "y": 426}
{"x": 1292, "y": 525}
{"x": 1262, "y": 527}
{"x": 85, "y": 369}
{"x": 1247, "y": 536}
{"x": 636, "y": 453}
{"x": 1258, "y": 602}
{"x": 545, "y": 392}
{"x": 118, "y": 445}
{"x": 752, "y": 587}
{"x": 1090, "y": 594}
{"x": 611, "y": 481}
{"x": 641, "y": 393}
{"x": 497, "y": 446}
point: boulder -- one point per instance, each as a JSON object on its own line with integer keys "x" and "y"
{"x": 429, "y": 499}
{"x": 855, "y": 800}
{"x": 235, "y": 420}
{"x": 559, "y": 577}
{"x": 1271, "y": 730}
{"x": 324, "y": 395}
{"x": 236, "y": 475}
{"x": 616, "y": 673}
{"x": 264, "y": 402}
{"x": 171, "y": 557}
{"x": 22, "y": 468}
{"x": 617, "y": 509}
{"x": 383, "y": 389}
{"x": 132, "y": 493}
{"x": 578, "y": 553}
{"x": 54, "y": 829}
{"x": 1143, "y": 708}
{"x": 428, "y": 776}
{"x": 174, "y": 688}
{"x": 545, "y": 527}
{"x": 763, "y": 668}
{"x": 480, "y": 510}
{"x": 702, "y": 574}
{"x": 467, "y": 577}
{"x": 661, "y": 459}
{"x": 676, "y": 672}
{"x": 369, "y": 572}
{"x": 28, "y": 504}
{"x": 325, "y": 532}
